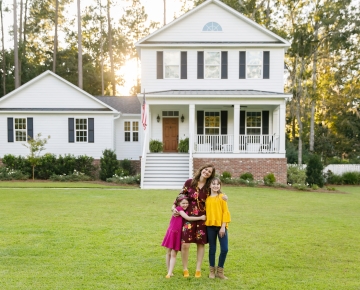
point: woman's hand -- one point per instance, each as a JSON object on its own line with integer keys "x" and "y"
{"x": 175, "y": 212}
{"x": 222, "y": 232}
{"x": 203, "y": 217}
{"x": 225, "y": 197}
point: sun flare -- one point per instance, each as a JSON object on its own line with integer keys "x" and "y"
{"x": 130, "y": 71}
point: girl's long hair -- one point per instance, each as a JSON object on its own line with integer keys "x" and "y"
{"x": 219, "y": 181}
{"x": 180, "y": 198}
{"x": 197, "y": 175}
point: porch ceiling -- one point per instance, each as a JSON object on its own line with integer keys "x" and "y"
{"x": 216, "y": 93}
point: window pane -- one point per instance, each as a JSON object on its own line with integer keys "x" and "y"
{"x": 172, "y": 71}
{"x": 135, "y": 136}
{"x": 172, "y": 58}
{"x": 254, "y": 58}
{"x": 254, "y": 72}
{"x": 212, "y": 58}
{"x": 127, "y": 136}
{"x": 126, "y": 126}
{"x": 212, "y": 72}
{"x": 135, "y": 126}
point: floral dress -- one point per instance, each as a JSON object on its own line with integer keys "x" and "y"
{"x": 194, "y": 231}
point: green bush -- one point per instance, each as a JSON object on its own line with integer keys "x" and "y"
{"x": 314, "y": 187}
{"x": 247, "y": 176}
{"x": 301, "y": 187}
{"x": 126, "y": 165}
{"x": 135, "y": 179}
{"x": 296, "y": 175}
{"x": 314, "y": 170}
{"x": 156, "y": 146}
{"x": 183, "y": 145}
{"x": 269, "y": 179}
{"x": 226, "y": 175}
{"x": 75, "y": 176}
{"x": 17, "y": 163}
{"x": 108, "y": 164}
{"x": 351, "y": 178}
{"x": 65, "y": 164}
{"x": 12, "y": 174}
{"x": 84, "y": 164}
{"x": 46, "y": 167}
{"x": 248, "y": 182}
{"x": 331, "y": 178}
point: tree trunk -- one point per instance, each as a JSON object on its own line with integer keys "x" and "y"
{"x": 101, "y": 49}
{"x": 20, "y": 39}
{"x": 80, "y": 70}
{"x": 56, "y": 34}
{"x": 298, "y": 109}
{"x": 16, "y": 51}
{"x": 3, "y": 50}
{"x": 110, "y": 51}
{"x": 164, "y": 12}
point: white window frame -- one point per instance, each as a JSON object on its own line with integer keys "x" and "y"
{"x": 212, "y": 65}
{"x": 253, "y": 65}
{"x": 131, "y": 130}
{"x": 20, "y": 130}
{"x": 86, "y": 131}
{"x": 214, "y": 127}
{"x": 253, "y": 127}
{"x": 209, "y": 27}
{"x": 175, "y": 64}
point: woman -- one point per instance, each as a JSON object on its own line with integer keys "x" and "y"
{"x": 196, "y": 189}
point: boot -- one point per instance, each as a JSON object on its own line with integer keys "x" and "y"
{"x": 212, "y": 272}
{"x": 220, "y": 273}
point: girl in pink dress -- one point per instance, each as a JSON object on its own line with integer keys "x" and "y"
{"x": 172, "y": 239}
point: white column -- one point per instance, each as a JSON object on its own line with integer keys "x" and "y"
{"x": 191, "y": 128}
{"x": 148, "y": 128}
{"x": 236, "y": 128}
{"x": 282, "y": 125}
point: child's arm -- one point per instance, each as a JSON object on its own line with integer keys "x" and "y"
{"x": 192, "y": 218}
{"x": 222, "y": 230}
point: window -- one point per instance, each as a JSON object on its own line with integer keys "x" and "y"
{"x": 212, "y": 64}
{"x": 131, "y": 129}
{"x": 212, "y": 26}
{"x": 20, "y": 129}
{"x": 253, "y": 123}
{"x": 81, "y": 130}
{"x": 170, "y": 113}
{"x": 172, "y": 64}
{"x": 254, "y": 65}
{"x": 212, "y": 123}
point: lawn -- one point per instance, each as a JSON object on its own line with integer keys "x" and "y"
{"x": 109, "y": 238}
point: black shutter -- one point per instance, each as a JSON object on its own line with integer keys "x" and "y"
{"x": 200, "y": 65}
{"x": 91, "y": 130}
{"x": 266, "y": 65}
{"x": 224, "y": 64}
{"x": 30, "y": 128}
{"x": 242, "y": 122}
{"x": 200, "y": 122}
{"x": 265, "y": 122}
{"x": 10, "y": 123}
{"x": 242, "y": 65}
{"x": 224, "y": 121}
{"x": 71, "y": 130}
{"x": 159, "y": 65}
{"x": 183, "y": 61}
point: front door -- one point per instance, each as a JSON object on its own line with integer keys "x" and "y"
{"x": 170, "y": 134}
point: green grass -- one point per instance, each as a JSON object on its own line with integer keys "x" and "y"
{"x": 109, "y": 238}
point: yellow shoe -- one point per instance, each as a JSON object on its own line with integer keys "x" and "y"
{"x": 167, "y": 276}
{"x": 197, "y": 274}
{"x": 186, "y": 273}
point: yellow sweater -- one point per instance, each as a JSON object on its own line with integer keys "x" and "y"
{"x": 217, "y": 211}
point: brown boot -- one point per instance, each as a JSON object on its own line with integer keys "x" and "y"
{"x": 212, "y": 272}
{"x": 220, "y": 273}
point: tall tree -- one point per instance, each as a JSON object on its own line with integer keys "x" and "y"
{"x": 113, "y": 83}
{"x": 3, "y": 49}
{"x": 55, "y": 34}
{"x": 80, "y": 64}
{"x": 16, "y": 51}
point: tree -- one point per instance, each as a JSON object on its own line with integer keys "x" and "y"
{"x": 35, "y": 145}
{"x": 16, "y": 46}
{"x": 3, "y": 49}
{"x": 80, "y": 64}
{"x": 55, "y": 34}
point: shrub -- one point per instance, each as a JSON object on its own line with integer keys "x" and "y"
{"x": 17, "y": 163}
{"x": 121, "y": 172}
{"x": 156, "y": 146}
{"x": 269, "y": 179}
{"x": 248, "y": 182}
{"x": 331, "y": 178}
{"x": 247, "y": 176}
{"x": 75, "y": 176}
{"x": 351, "y": 178}
{"x": 301, "y": 187}
{"x": 84, "y": 164}
{"x": 108, "y": 164}
{"x": 314, "y": 187}
{"x": 127, "y": 167}
{"x": 183, "y": 145}
{"x": 226, "y": 175}
{"x": 314, "y": 170}
{"x": 47, "y": 166}
{"x": 296, "y": 175}
{"x": 12, "y": 174}
{"x": 135, "y": 179}
{"x": 65, "y": 164}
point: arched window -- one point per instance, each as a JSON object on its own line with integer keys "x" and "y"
{"x": 212, "y": 26}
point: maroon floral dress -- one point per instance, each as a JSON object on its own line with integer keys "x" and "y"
{"x": 194, "y": 231}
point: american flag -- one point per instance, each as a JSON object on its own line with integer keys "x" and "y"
{"x": 144, "y": 113}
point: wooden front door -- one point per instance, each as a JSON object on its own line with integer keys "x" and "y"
{"x": 170, "y": 134}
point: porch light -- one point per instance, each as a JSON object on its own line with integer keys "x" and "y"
{"x": 182, "y": 118}
{"x": 158, "y": 118}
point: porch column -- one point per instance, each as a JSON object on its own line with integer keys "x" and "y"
{"x": 191, "y": 128}
{"x": 148, "y": 129}
{"x": 282, "y": 121}
{"x": 236, "y": 128}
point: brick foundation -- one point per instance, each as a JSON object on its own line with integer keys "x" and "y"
{"x": 258, "y": 167}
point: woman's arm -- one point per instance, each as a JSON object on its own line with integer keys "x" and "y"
{"x": 222, "y": 231}
{"x": 192, "y": 218}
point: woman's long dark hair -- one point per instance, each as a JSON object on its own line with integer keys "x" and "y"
{"x": 197, "y": 175}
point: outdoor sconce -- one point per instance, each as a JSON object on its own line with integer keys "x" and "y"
{"x": 158, "y": 118}
{"x": 182, "y": 118}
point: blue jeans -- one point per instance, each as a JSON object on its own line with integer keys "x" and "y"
{"x": 213, "y": 233}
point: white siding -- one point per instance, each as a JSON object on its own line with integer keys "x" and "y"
{"x": 127, "y": 150}
{"x": 233, "y": 28}
{"x": 151, "y": 84}
{"x": 57, "y": 127}
{"x": 49, "y": 92}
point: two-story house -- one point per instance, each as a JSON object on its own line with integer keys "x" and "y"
{"x": 217, "y": 78}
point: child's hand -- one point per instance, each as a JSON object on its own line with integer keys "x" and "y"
{"x": 225, "y": 197}
{"x": 203, "y": 217}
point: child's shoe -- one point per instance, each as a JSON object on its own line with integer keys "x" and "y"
{"x": 197, "y": 274}
{"x": 186, "y": 273}
{"x": 167, "y": 276}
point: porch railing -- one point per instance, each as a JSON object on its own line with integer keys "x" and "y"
{"x": 247, "y": 143}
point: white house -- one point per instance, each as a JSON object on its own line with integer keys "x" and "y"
{"x": 212, "y": 76}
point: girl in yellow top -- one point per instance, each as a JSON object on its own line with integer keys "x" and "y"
{"x": 217, "y": 219}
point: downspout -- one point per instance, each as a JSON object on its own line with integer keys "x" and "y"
{"x": 114, "y": 134}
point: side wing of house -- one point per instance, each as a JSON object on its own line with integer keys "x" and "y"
{"x": 77, "y": 123}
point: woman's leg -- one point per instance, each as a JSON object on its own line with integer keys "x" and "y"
{"x": 223, "y": 249}
{"x": 172, "y": 263}
{"x": 185, "y": 255}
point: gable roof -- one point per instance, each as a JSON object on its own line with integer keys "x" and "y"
{"x": 150, "y": 40}
{"x": 123, "y": 104}
{"x": 100, "y": 106}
